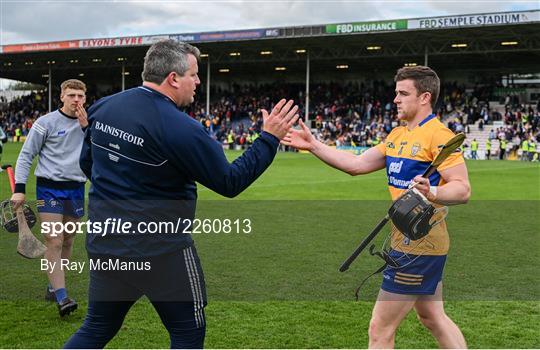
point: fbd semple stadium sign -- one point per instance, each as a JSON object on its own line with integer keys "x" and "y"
{"x": 474, "y": 20}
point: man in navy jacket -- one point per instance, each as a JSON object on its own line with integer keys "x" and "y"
{"x": 144, "y": 157}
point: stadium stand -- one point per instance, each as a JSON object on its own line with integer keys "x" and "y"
{"x": 357, "y": 114}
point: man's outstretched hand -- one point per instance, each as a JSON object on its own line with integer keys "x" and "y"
{"x": 300, "y": 138}
{"x": 281, "y": 119}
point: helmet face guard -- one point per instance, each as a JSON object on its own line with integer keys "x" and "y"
{"x": 8, "y": 217}
{"x": 412, "y": 213}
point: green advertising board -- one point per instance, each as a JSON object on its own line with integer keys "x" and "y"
{"x": 360, "y": 27}
{"x": 503, "y": 91}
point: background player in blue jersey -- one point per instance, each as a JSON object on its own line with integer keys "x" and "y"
{"x": 143, "y": 157}
{"x": 57, "y": 139}
{"x": 407, "y": 152}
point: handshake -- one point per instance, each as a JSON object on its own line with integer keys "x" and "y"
{"x": 280, "y": 122}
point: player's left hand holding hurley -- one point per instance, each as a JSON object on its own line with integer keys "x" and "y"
{"x": 80, "y": 112}
{"x": 423, "y": 186}
{"x": 281, "y": 119}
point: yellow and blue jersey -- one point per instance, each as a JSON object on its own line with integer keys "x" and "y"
{"x": 408, "y": 154}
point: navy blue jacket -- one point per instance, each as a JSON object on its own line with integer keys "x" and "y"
{"x": 143, "y": 157}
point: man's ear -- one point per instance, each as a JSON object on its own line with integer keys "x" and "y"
{"x": 426, "y": 98}
{"x": 173, "y": 79}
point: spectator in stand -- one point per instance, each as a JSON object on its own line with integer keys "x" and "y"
{"x": 532, "y": 148}
{"x": 474, "y": 149}
{"x": 502, "y": 148}
{"x": 524, "y": 149}
{"x": 18, "y": 134}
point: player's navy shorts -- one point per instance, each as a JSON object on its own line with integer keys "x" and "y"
{"x": 59, "y": 198}
{"x": 418, "y": 276}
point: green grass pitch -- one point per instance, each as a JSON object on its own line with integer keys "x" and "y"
{"x": 278, "y": 287}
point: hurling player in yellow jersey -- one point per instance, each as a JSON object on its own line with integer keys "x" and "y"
{"x": 407, "y": 152}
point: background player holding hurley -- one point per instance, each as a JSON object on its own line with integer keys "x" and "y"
{"x": 57, "y": 139}
{"x": 408, "y": 152}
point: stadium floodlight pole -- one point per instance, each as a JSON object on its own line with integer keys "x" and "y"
{"x": 50, "y": 87}
{"x": 123, "y": 76}
{"x": 307, "y": 90}
{"x": 208, "y": 86}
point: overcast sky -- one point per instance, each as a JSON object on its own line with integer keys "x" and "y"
{"x": 38, "y": 21}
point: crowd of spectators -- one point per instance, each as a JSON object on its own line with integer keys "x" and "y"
{"x": 342, "y": 114}
{"x": 517, "y": 122}
{"x": 17, "y": 116}
{"x": 521, "y": 129}
{"x": 521, "y": 122}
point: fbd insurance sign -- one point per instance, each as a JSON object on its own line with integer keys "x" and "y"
{"x": 362, "y": 27}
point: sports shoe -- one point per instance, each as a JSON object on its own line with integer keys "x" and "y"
{"x": 67, "y": 306}
{"x": 49, "y": 295}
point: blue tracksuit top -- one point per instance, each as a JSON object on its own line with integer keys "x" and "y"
{"x": 143, "y": 157}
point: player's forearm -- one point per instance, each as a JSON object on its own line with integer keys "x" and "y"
{"x": 453, "y": 193}
{"x": 31, "y": 148}
{"x": 22, "y": 169}
{"x": 340, "y": 160}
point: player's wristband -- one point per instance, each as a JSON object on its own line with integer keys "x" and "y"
{"x": 20, "y": 188}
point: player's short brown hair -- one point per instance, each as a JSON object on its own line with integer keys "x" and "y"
{"x": 425, "y": 80}
{"x": 73, "y": 84}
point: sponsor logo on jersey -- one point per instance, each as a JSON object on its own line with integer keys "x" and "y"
{"x": 398, "y": 182}
{"x": 395, "y": 167}
{"x": 61, "y": 132}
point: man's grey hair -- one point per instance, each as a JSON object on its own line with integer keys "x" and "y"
{"x": 167, "y": 56}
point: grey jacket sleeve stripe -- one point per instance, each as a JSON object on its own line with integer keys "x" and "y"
{"x": 32, "y": 146}
{"x": 40, "y": 129}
